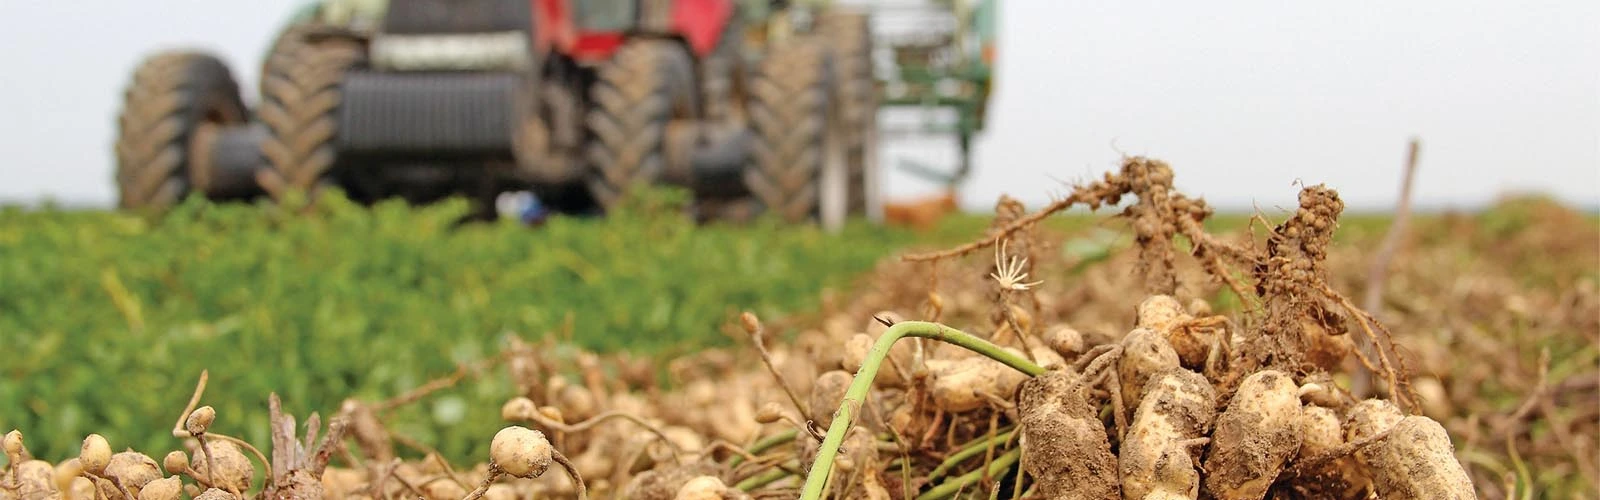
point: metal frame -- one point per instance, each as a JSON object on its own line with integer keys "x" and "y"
{"x": 951, "y": 72}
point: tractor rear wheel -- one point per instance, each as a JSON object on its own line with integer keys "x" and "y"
{"x": 849, "y": 35}
{"x": 646, "y": 85}
{"x": 174, "y": 97}
{"x": 300, "y": 97}
{"x": 798, "y": 170}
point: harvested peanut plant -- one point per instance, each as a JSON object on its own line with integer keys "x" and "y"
{"x": 1193, "y": 366}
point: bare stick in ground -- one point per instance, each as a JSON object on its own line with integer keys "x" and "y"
{"x": 1361, "y": 381}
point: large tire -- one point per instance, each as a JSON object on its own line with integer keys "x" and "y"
{"x": 646, "y": 85}
{"x": 173, "y": 97}
{"x": 797, "y": 171}
{"x": 300, "y": 98}
{"x": 849, "y": 36}
{"x": 279, "y": 54}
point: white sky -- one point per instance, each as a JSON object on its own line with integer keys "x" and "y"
{"x": 1244, "y": 98}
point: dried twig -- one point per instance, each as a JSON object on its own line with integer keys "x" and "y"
{"x": 180, "y": 431}
{"x": 752, "y": 326}
{"x": 1000, "y": 233}
{"x": 1361, "y": 382}
{"x": 597, "y": 419}
{"x": 441, "y": 383}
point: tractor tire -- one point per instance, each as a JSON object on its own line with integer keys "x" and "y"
{"x": 849, "y": 35}
{"x": 646, "y": 85}
{"x": 300, "y": 98}
{"x": 797, "y": 170}
{"x": 173, "y": 97}
{"x": 289, "y": 39}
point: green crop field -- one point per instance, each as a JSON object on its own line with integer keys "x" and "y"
{"x": 108, "y": 318}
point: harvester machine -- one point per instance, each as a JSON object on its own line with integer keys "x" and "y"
{"x": 578, "y": 102}
{"x": 940, "y": 57}
{"x": 929, "y": 60}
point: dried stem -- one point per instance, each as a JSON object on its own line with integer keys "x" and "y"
{"x": 449, "y": 471}
{"x": 393, "y": 472}
{"x": 1304, "y": 466}
{"x": 822, "y": 468}
{"x": 429, "y": 453}
{"x": 439, "y": 384}
{"x": 1508, "y": 428}
{"x": 1210, "y": 252}
{"x": 483, "y": 487}
{"x": 1093, "y": 354}
{"x": 1078, "y": 196}
{"x": 757, "y": 333}
{"x": 211, "y": 463}
{"x": 178, "y": 430}
{"x": 1113, "y": 380}
{"x": 737, "y": 451}
{"x": 597, "y": 419}
{"x": 572, "y": 471}
{"x": 1585, "y": 461}
{"x": 1392, "y": 371}
{"x": 114, "y": 482}
{"x": 1361, "y": 382}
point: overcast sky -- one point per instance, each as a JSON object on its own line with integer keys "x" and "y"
{"x": 1244, "y": 98}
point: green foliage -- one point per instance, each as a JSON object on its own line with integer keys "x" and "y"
{"x": 107, "y": 319}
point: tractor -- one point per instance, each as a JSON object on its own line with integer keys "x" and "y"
{"x": 578, "y": 102}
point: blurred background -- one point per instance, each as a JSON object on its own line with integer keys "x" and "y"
{"x": 1243, "y": 98}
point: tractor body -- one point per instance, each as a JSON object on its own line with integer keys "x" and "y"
{"x": 479, "y": 97}
{"x": 575, "y": 101}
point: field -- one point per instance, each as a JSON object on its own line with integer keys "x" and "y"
{"x": 622, "y": 342}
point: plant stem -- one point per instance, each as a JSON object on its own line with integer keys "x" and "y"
{"x": 483, "y": 487}
{"x": 770, "y": 476}
{"x": 817, "y": 479}
{"x": 970, "y": 451}
{"x": 764, "y": 444}
{"x": 572, "y": 471}
{"x": 951, "y": 487}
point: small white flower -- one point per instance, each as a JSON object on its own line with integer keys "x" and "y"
{"x": 1011, "y": 276}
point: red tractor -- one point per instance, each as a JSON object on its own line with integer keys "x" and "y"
{"x": 576, "y": 101}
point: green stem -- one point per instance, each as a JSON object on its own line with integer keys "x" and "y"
{"x": 763, "y": 479}
{"x": 764, "y": 444}
{"x": 970, "y": 451}
{"x": 817, "y": 479}
{"x": 951, "y": 487}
